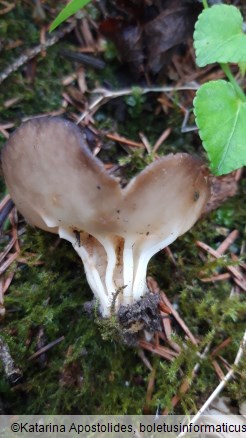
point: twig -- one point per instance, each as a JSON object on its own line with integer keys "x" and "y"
{"x": 145, "y": 360}
{"x": 236, "y": 259}
{"x": 8, "y": 262}
{"x": 222, "y": 384}
{"x": 8, "y": 7}
{"x": 153, "y": 287}
{"x": 4, "y": 132}
{"x": 13, "y": 217}
{"x": 228, "y": 242}
{"x": 223, "y": 344}
{"x": 219, "y": 277}
{"x": 7, "y": 249}
{"x": 179, "y": 319}
{"x": 87, "y": 60}
{"x": 151, "y": 385}
{"x": 31, "y": 53}
{"x": 4, "y": 285}
{"x": 46, "y": 348}
{"x": 161, "y": 139}
{"x": 145, "y": 142}
{"x": 232, "y": 269}
{"x": 106, "y": 95}
{"x": 5, "y": 209}
{"x": 124, "y": 140}
{"x": 218, "y": 370}
{"x": 170, "y": 255}
{"x": 167, "y": 328}
{"x": 161, "y": 351}
{"x": 4, "y": 201}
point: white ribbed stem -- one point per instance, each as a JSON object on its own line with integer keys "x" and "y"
{"x": 91, "y": 271}
{"x": 147, "y": 250}
{"x": 128, "y": 267}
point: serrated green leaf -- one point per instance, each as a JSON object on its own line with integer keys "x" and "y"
{"x": 221, "y": 119}
{"x": 219, "y": 36}
{"x": 72, "y": 7}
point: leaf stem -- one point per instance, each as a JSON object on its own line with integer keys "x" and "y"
{"x": 226, "y": 69}
{"x": 205, "y": 4}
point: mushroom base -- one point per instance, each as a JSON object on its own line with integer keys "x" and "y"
{"x": 137, "y": 319}
{"x": 131, "y": 322}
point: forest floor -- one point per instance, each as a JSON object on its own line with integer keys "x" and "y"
{"x": 54, "y": 358}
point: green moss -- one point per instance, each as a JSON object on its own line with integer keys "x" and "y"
{"x": 89, "y": 371}
{"x": 43, "y": 297}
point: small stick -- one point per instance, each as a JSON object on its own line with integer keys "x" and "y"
{"x": 14, "y": 221}
{"x": 220, "y": 347}
{"x": 31, "y": 53}
{"x": 170, "y": 255}
{"x": 222, "y": 384}
{"x": 151, "y": 385}
{"x": 8, "y": 7}
{"x": 240, "y": 283}
{"x": 219, "y": 277}
{"x": 165, "y": 309}
{"x": 106, "y": 95}
{"x": 179, "y": 319}
{"x": 6, "y": 207}
{"x": 4, "y": 201}
{"x": 236, "y": 259}
{"x": 161, "y": 351}
{"x": 8, "y": 262}
{"x": 217, "y": 255}
{"x": 239, "y": 173}
{"x": 218, "y": 370}
{"x": 161, "y": 139}
{"x": 7, "y": 249}
{"x": 153, "y": 286}
{"x": 228, "y": 242}
{"x": 225, "y": 362}
{"x": 4, "y": 285}
{"x": 46, "y": 348}
{"x": 144, "y": 359}
{"x": 87, "y": 60}
{"x": 165, "y": 319}
{"x": 124, "y": 140}
{"x": 145, "y": 142}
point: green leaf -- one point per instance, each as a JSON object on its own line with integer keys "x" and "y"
{"x": 219, "y": 36}
{"x": 72, "y": 7}
{"x": 221, "y": 119}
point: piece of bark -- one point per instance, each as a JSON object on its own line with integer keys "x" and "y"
{"x": 222, "y": 188}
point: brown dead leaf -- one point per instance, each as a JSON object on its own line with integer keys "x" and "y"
{"x": 146, "y": 38}
{"x": 170, "y": 28}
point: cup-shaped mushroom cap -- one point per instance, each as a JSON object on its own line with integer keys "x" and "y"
{"x": 54, "y": 179}
{"x": 167, "y": 197}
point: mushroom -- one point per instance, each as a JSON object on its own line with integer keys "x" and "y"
{"x": 59, "y": 186}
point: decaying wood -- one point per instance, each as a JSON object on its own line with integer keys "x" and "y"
{"x": 12, "y": 372}
{"x": 222, "y": 188}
